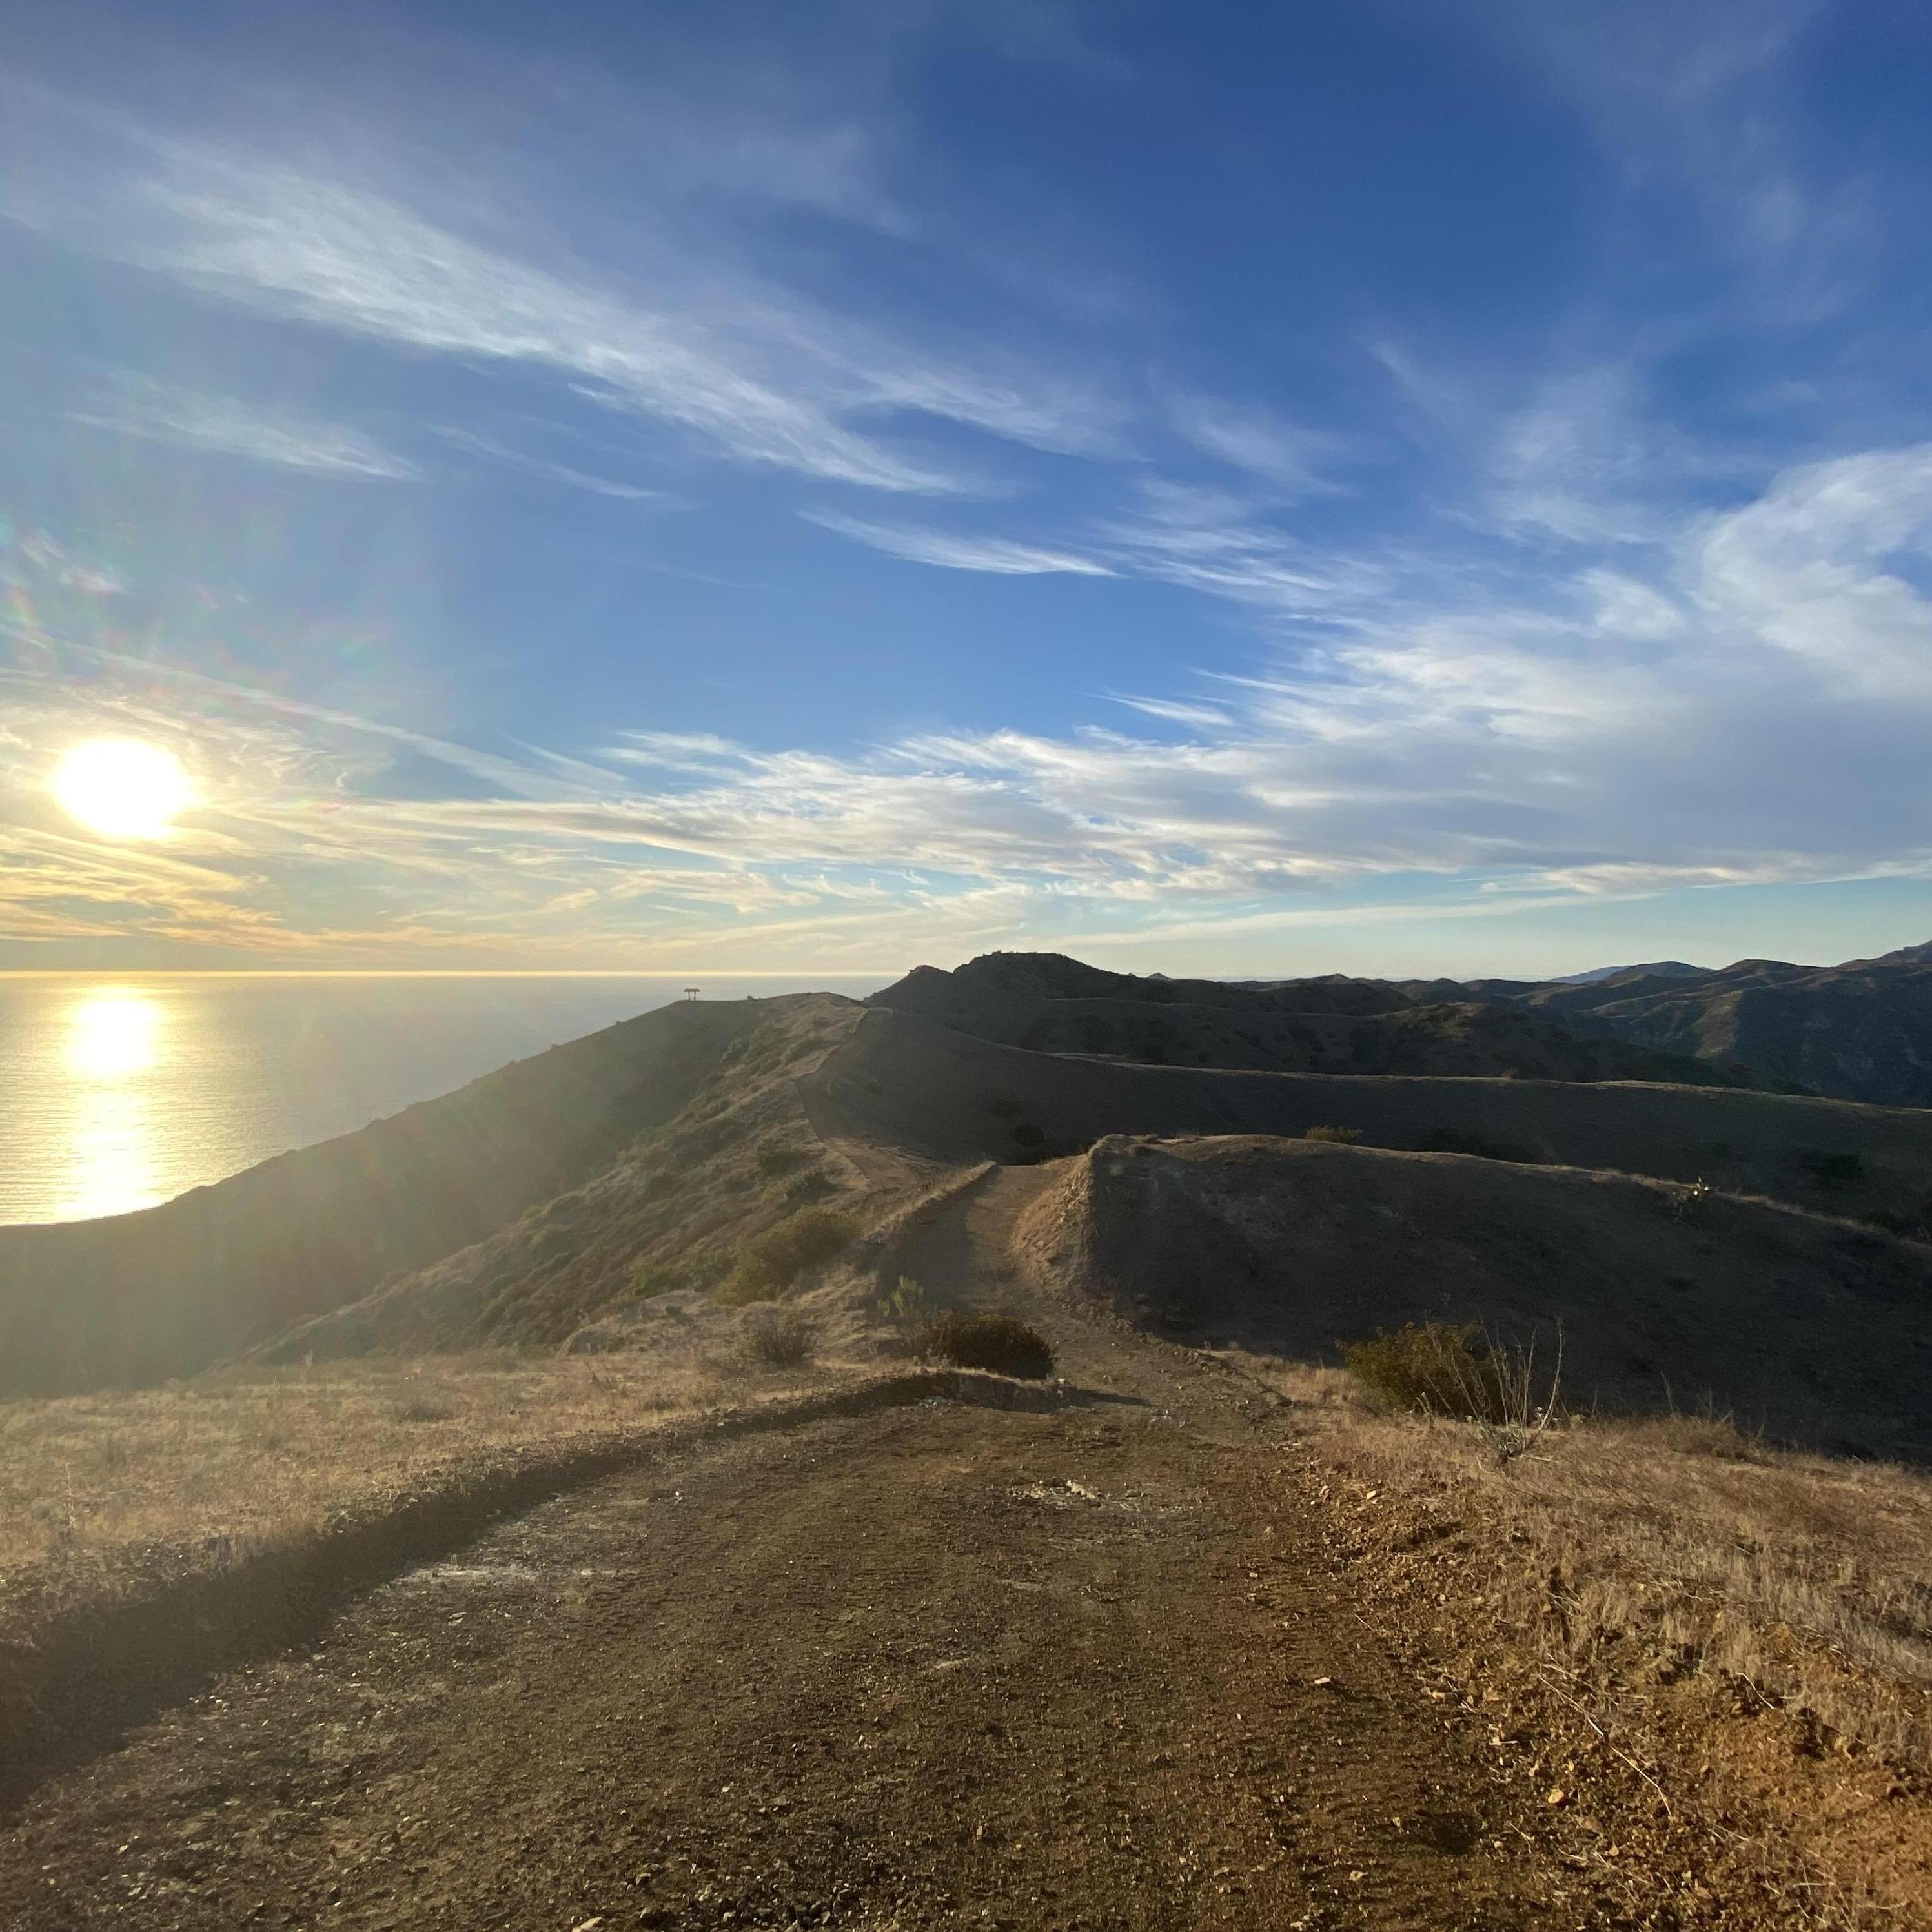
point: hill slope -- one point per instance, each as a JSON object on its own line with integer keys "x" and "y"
{"x": 908, "y": 1081}
{"x": 139, "y": 1297}
{"x": 1052, "y": 1005}
{"x": 1811, "y": 1329}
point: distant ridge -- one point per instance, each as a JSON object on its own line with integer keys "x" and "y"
{"x": 1655, "y": 969}
{"x": 1045, "y": 1003}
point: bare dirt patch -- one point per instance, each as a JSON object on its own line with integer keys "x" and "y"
{"x": 860, "y": 1674}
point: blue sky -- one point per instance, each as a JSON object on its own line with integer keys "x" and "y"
{"x": 1387, "y": 486}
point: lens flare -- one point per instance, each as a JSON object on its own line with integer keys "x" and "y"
{"x": 122, "y": 787}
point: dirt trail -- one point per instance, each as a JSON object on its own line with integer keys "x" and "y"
{"x": 937, "y": 1667}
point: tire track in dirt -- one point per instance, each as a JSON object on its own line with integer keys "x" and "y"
{"x": 935, "y": 1667}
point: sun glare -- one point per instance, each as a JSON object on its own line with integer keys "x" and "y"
{"x": 122, "y": 787}
{"x": 111, "y": 1034}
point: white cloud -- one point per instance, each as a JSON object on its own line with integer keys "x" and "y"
{"x": 1000, "y": 556}
{"x": 229, "y": 427}
{"x": 1297, "y": 460}
{"x": 545, "y": 471}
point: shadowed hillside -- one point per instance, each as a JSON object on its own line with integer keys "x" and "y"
{"x": 1812, "y": 1330}
{"x": 1861, "y": 1031}
{"x": 138, "y": 1297}
{"x": 909, "y": 1082}
{"x": 1051, "y": 1005}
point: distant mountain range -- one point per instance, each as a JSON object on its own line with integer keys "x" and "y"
{"x": 1860, "y": 1031}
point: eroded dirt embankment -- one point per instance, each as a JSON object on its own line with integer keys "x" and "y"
{"x": 1664, "y": 1296}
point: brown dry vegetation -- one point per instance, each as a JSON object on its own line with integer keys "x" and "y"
{"x": 1740, "y": 1637}
{"x": 100, "y": 1494}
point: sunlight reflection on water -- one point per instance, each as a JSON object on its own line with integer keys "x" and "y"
{"x": 114, "y": 1056}
{"x": 118, "y": 1093}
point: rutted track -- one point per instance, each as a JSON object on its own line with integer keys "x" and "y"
{"x": 79, "y": 1686}
{"x": 928, "y": 1665}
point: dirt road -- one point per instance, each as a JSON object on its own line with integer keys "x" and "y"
{"x": 937, "y": 1667}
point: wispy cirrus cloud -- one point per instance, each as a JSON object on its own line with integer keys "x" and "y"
{"x": 1516, "y": 753}
{"x": 227, "y": 426}
{"x": 546, "y": 471}
{"x": 1002, "y": 556}
{"x": 1296, "y": 460}
{"x": 743, "y": 368}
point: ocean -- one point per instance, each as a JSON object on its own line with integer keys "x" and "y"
{"x": 118, "y": 1092}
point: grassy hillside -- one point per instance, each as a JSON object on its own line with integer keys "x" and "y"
{"x": 138, "y": 1297}
{"x": 647, "y": 1236}
{"x": 1811, "y": 1330}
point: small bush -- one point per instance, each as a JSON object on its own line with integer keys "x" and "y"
{"x": 776, "y": 1162}
{"x": 908, "y": 1305}
{"x": 1337, "y": 1136}
{"x": 808, "y": 1188}
{"x": 777, "y": 1258}
{"x": 1428, "y": 1368}
{"x": 649, "y": 1280}
{"x": 1001, "y": 1343}
{"x": 777, "y": 1338}
{"x": 1446, "y": 1370}
{"x": 1028, "y": 1135}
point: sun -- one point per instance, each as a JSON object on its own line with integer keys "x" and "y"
{"x": 122, "y": 787}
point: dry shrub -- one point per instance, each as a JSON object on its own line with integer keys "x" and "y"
{"x": 777, "y": 1338}
{"x": 1429, "y": 1368}
{"x": 1451, "y": 1370}
{"x": 1335, "y": 1136}
{"x": 802, "y": 1241}
{"x": 1001, "y": 1343}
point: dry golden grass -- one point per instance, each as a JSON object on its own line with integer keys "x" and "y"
{"x": 1718, "y": 1653}
{"x": 99, "y": 1491}
{"x": 1805, "y": 1580}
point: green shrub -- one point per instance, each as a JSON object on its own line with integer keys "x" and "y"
{"x": 1429, "y": 1368}
{"x": 1337, "y": 1136}
{"x": 808, "y": 1188}
{"x": 1002, "y": 1343}
{"x": 649, "y": 1278}
{"x": 777, "y": 1338}
{"x": 1446, "y": 1370}
{"x": 908, "y": 1305}
{"x": 779, "y": 1256}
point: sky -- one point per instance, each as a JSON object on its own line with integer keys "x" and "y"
{"x": 1390, "y": 486}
